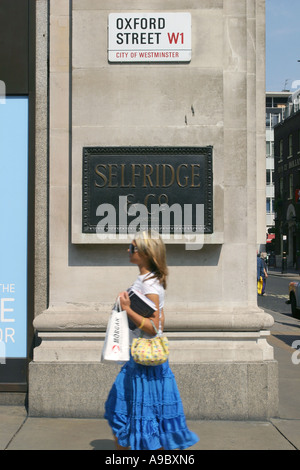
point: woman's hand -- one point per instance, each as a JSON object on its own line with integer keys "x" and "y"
{"x": 124, "y": 300}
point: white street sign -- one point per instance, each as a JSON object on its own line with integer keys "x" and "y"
{"x": 149, "y": 37}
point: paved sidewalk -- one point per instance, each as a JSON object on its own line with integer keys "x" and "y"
{"x": 290, "y": 272}
{"x": 18, "y": 432}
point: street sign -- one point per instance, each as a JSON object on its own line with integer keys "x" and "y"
{"x": 149, "y": 37}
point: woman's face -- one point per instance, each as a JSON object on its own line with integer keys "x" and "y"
{"x": 133, "y": 252}
{"x": 134, "y": 256}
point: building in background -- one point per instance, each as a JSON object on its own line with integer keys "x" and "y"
{"x": 287, "y": 182}
{"x": 275, "y": 108}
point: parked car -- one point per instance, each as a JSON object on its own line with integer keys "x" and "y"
{"x": 294, "y": 298}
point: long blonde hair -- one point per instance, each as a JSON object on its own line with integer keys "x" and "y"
{"x": 151, "y": 245}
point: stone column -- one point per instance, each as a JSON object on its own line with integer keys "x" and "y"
{"x": 223, "y": 364}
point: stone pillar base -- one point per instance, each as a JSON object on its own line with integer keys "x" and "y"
{"x": 220, "y": 375}
{"x": 229, "y": 391}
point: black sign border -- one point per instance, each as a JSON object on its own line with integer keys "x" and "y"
{"x": 89, "y": 152}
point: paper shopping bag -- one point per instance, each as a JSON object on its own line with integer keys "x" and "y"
{"x": 116, "y": 343}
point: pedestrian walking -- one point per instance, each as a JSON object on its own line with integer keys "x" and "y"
{"x": 265, "y": 276}
{"x": 261, "y": 275}
{"x": 144, "y": 408}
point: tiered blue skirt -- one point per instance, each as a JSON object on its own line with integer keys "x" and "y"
{"x": 145, "y": 411}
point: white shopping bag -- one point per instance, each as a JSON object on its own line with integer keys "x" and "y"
{"x": 116, "y": 343}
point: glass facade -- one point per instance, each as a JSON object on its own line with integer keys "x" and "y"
{"x": 13, "y": 233}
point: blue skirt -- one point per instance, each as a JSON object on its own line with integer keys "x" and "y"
{"x": 145, "y": 411}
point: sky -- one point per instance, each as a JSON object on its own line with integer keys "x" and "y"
{"x": 282, "y": 45}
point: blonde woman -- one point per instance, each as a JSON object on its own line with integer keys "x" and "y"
{"x": 144, "y": 408}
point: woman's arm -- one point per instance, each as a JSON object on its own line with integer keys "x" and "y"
{"x": 137, "y": 319}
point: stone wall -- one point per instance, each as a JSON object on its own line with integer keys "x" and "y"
{"x": 211, "y": 310}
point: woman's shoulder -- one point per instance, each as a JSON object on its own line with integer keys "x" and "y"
{"x": 150, "y": 281}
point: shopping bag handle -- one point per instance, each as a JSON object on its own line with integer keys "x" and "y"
{"x": 117, "y": 305}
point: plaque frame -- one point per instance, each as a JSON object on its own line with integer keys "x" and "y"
{"x": 154, "y": 154}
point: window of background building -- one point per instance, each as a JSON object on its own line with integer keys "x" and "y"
{"x": 269, "y": 176}
{"x": 270, "y": 149}
{"x": 270, "y": 206}
{"x": 275, "y": 119}
{"x": 290, "y": 145}
{"x": 291, "y": 187}
{"x": 281, "y": 187}
{"x": 298, "y": 140}
{"x": 281, "y": 150}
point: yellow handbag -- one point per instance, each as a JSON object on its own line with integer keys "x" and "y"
{"x": 152, "y": 351}
{"x": 260, "y": 283}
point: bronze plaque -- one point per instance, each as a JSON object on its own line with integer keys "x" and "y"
{"x": 168, "y": 189}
